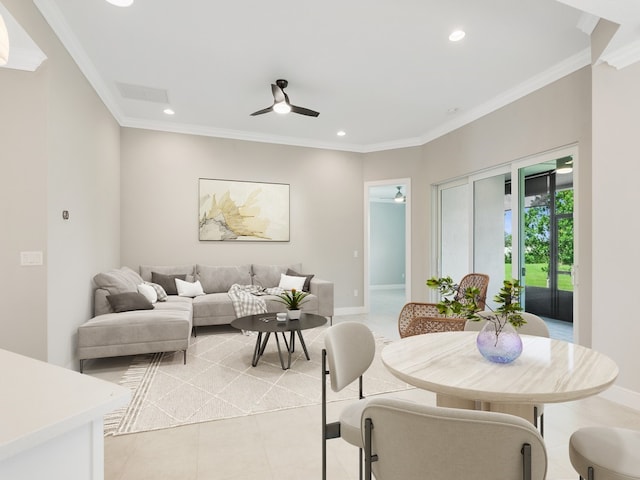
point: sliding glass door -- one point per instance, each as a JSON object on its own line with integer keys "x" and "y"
{"x": 514, "y": 221}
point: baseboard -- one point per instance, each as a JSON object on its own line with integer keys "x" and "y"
{"x": 349, "y": 311}
{"x": 622, "y": 396}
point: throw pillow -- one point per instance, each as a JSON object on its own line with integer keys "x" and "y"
{"x": 162, "y": 295}
{"x": 307, "y": 281}
{"x": 125, "y": 302}
{"x": 188, "y": 289}
{"x": 168, "y": 282}
{"x": 289, "y": 283}
{"x": 149, "y": 292}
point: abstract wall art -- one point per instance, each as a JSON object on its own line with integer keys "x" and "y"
{"x": 233, "y": 210}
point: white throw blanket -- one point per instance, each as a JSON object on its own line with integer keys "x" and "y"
{"x": 246, "y": 298}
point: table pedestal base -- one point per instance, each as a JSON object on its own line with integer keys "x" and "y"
{"x": 518, "y": 409}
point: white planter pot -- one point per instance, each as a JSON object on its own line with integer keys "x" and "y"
{"x": 294, "y": 314}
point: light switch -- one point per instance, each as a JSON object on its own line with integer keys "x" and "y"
{"x": 30, "y": 258}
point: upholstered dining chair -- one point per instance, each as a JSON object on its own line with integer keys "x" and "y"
{"x": 412, "y": 441}
{"x": 417, "y": 318}
{"x": 349, "y": 350}
{"x": 605, "y": 453}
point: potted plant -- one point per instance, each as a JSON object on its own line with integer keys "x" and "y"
{"x": 498, "y": 340}
{"x": 293, "y": 299}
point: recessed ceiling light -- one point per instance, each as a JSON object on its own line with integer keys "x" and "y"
{"x": 121, "y": 3}
{"x": 169, "y": 111}
{"x": 341, "y": 133}
{"x": 452, "y": 110}
{"x": 457, "y": 35}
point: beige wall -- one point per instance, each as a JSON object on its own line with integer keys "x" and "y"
{"x": 160, "y": 173}
{"x": 64, "y": 154}
{"x": 616, "y": 224}
{"x": 133, "y": 198}
{"x": 554, "y": 116}
{"x": 23, "y": 207}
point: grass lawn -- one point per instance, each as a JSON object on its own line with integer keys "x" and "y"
{"x": 536, "y": 277}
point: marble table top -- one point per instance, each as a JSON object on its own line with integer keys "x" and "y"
{"x": 548, "y": 370}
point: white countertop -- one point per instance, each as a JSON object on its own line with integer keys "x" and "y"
{"x": 548, "y": 370}
{"x": 39, "y": 401}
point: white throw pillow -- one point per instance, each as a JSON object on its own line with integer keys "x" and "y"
{"x": 289, "y": 283}
{"x": 187, "y": 289}
{"x": 149, "y": 292}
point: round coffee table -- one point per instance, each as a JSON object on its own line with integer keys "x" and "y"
{"x": 267, "y": 323}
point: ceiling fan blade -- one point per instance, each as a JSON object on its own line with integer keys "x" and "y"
{"x": 304, "y": 111}
{"x": 278, "y": 94}
{"x": 264, "y": 110}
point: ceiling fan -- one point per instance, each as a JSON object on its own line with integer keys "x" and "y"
{"x": 281, "y": 102}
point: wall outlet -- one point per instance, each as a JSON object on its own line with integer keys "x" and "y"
{"x": 355, "y": 293}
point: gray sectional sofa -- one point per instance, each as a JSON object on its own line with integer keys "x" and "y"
{"x": 167, "y": 326}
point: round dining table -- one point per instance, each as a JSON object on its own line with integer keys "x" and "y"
{"x": 547, "y": 371}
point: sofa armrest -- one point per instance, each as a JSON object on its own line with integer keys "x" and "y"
{"x": 323, "y": 289}
{"x": 101, "y": 305}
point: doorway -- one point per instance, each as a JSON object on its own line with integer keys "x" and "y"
{"x": 387, "y": 248}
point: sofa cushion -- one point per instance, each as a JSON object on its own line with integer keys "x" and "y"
{"x": 268, "y": 276}
{"x": 307, "y": 281}
{"x": 118, "y": 280}
{"x": 213, "y": 305}
{"x": 167, "y": 282}
{"x": 128, "y": 301}
{"x": 188, "y": 270}
{"x": 135, "y": 327}
{"x": 219, "y": 279}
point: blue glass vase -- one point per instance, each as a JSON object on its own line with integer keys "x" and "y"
{"x": 502, "y": 347}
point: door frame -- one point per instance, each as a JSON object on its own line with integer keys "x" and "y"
{"x": 514, "y": 166}
{"x": 406, "y": 182}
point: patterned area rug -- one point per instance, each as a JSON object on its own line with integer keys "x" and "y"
{"x": 219, "y": 382}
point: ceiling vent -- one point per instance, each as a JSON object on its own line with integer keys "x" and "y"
{"x": 139, "y": 92}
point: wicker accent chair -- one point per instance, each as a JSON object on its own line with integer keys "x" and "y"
{"x": 418, "y": 318}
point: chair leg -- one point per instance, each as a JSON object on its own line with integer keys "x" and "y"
{"x": 329, "y": 430}
{"x": 526, "y": 461}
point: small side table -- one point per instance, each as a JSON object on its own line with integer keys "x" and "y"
{"x": 267, "y": 323}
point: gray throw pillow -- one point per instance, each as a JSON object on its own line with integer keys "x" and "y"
{"x": 128, "y": 301}
{"x": 168, "y": 282}
{"x": 307, "y": 278}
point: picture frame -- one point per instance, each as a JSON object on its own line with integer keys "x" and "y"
{"x": 244, "y": 211}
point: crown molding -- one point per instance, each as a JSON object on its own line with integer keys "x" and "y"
{"x": 27, "y": 56}
{"x": 558, "y": 71}
{"x": 623, "y": 56}
{"x": 26, "y": 59}
{"x": 56, "y": 21}
{"x": 236, "y": 135}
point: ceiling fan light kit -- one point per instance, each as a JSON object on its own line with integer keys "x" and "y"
{"x": 4, "y": 43}
{"x": 281, "y": 103}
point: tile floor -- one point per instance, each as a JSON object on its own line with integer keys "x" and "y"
{"x": 287, "y": 444}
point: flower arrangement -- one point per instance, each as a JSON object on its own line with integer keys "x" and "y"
{"x": 293, "y": 299}
{"x": 508, "y": 299}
